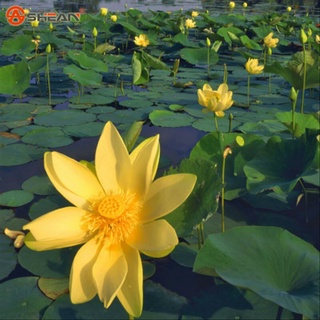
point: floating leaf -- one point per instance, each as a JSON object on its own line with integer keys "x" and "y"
{"x": 166, "y": 118}
{"x": 18, "y": 45}
{"x": 53, "y": 288}
{"x": 21, "y": 299}
{"x": 39, "y": 185}
{"x": 84, "y": 77}
{"x": 270, "y": 261}
{"x": 8, "y": 257}
{"x": 15, "y": 198}
{"x": 199, "y": 56}
{"x": 86, "y": 62}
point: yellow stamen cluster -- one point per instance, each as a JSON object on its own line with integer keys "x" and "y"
{"x": 113, "y": 217}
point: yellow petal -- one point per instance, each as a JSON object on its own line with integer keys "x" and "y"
{"x": 112, "y": 159}
{"x": 72, "y": 179}
{"x": 144, "y": 165}
{"x": 141, "y": 146}
{"x": 201, "y": 98}
{"x": 219, "y": 114}
{"x": 206, "y": 87}
{"x": 82, "y": 288}
{"x": 166, "y": 194}
{"x": 57, "y": 229}
{"x": 109, "y": 273}
{"x": 155, "y": 239}
{"x": 131, "y": 293}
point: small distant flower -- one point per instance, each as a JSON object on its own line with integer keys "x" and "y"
{"x": 103, "y": 11}
{"x": 142, "y": 40}
{"x": 270, "y": 42}
{"x": 26, "y": 11}
{"x": 51, "y": 27}
{"x": 189, "y": 24}
{"x": 244, "y": 5}
{"x": 34, "y": 24}
{"x": 115, "y": 213}
{"x": 232, "y": 5}
{"x": 114, "y": 18}
{"x": 36, "y": 43}
{"x": 252, "y": 66}
{"x": 194, "y": 14}
{"x": 317, "y": 39}
{"x": 215, "y": 101}
{"x": 303, "y": 37}
{"x": 95, "y": 32}
{"x": 289, "y": 9}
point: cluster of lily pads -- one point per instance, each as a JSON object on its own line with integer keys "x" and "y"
{"x": 249, "y": 229}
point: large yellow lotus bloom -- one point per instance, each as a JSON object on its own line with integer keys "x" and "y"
{"x": 142, "y": 40}
{"x": 189, "y": 24}
{"x": 117, "y": 213}
{"x": 215, "y": 101}
{"x": 252, "y": 66}
{"x": 270, "y": 42}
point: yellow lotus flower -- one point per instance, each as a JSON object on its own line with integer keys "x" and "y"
{"x": 34, "y": 24}
{"x": 252, "y": 66}
{"x": 142, "y": 40}
{"x": 194, "y": 14}
{"x": 26, "y": 11}
{"x": 114, "y": 18}
{"x": 289, "y": 9}
{"x": 270, "y": 42}
{"x": 189, "y": 24}
{"x": 215, "y": 101}
{"x": 117, "y": 213}
{"x": 103, "y": 11}
{"x": 317, "y": 38}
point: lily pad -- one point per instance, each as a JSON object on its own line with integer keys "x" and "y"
{"x": 15, "y": 198}
{"x": 84, "y": 77}
{"x": 86, "y": 130}
{"x": 21, "y": 299}
{"x": 166, "y": 118}
{"x": 53, "y": 288}
{"x": 8, "y": 258}
{"x": 270, "y": 261}
{"x": 39, "y": 185}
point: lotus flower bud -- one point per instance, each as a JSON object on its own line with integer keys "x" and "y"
{"x": 303, "y": 37}
{"x": 293, "y": 94}
{"x": 95, "y": 32}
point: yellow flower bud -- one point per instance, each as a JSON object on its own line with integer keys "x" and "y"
{"x": 244, "y": 5}
{"x": 103, "y": 11}
{"x": 48, "y": 48}
{"x": 51, "y": 26}
{"x": 26, "y": 11}
{"x": 309, "y": 32}
{"x": 293, "y": 94}
{"x": 232, "y": 5}
{"x": 303, "y": 37}
{"x": 317, "y": 39}
{"x": 95, "y": 32}
{"x": 208, "y": 43}
{"x": 289, "y": 9}
{"x": 34, "y": 24}
{"x": 114, "y": 18}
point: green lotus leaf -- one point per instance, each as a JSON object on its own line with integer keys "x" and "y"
{"x": 211, "y": 147}
{"x": 85, "y": 130}
{"x": 84, "y": 77}
{"x": 86, "y": 62}
{"x": 183, "y": 39}
{"x": 139, "y": 69}
{"x": 250, "y": 44}
{"x": 166, "y": 118}
{"x": 40, "y": 63}
{"x": 53, "y": 288}
{"x": 47, "y": 264}
{"x": 8, "y": 257}
{"x": 281, "y": 163}
{"x": 153, "y": 62}
{"x": 184, "y": 255}
{"x": 270, "y": 261}
{"x": 17, "y": 77}
{"x": 64, "y": 118}
{"x": 39, "y": 185}
{"x": 203, "y": 201}
{"x": 92, "y": 99}
{"x": 15, "y": 198}
{"x": 22, "y": 299}
{"x": 18, "y": 45}
{"x": 199, "y": 56}
{"x": 47, "y": 137}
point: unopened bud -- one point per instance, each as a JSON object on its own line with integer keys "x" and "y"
{"x": 293, "y": 94}
{"x": 176, "y": 65}
{"x": 289, "y": 9}
{"x": 19, "y": 242}
{"x": 208, "y": 43}
{"x": 48, "y": 48}
{"x": 51, "y": 26}
{"x": 309, "y": 32}
{"x": 227, "y": 151}
{"x": 95, "y": 32}
{"x": 244, "y": 5}
{"x": 12, "y": 234}
{"x": 303, "y": 37}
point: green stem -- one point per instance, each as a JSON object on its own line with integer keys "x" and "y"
{"x": 248, "y": 91}
{"x": 270, "y": 86}
{"x": 294, "y": 103}
{"x": 48, "y": 79}
{"x": 306, "y": 199}
{"x": 200, "y": 231}
{"x": 208, "y": 62}
{"x": 222, "y": 193}
{"x": 304, "y": 76}
{"x": 216, "y": 122}
{"x": 130, "y": 317}
{"x": 225, "y": 74}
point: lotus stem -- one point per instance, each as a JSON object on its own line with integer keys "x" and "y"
{"x": 304, "y": 76}
{"x": 306, "y": 199}
{"x": 293, "y": 98}
{"x": 130, "y": 317}
{"x": 225, "y": 74}
{"x": 208, "y": 62}
{"x": 248, "y": 91}
{"x": 200, "y": 230}
{"x": 230, "y": 122}
{"x": 48, "y": 79}
{"x": 216, "y": 123}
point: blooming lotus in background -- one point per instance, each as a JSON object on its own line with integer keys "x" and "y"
{"x": 189, "y": 24}
{"x": 116, "y": 214}
{"x": 244, "y": 5}
{"x": 34, "y": 24}
{"x": 103, "y": 11}
{"x": 194, "y": 14}
{"x": 252, "y": 66}
{"x": 114, "y": 18}
{"x": 215, "y": 101}
{"x": 142, "y": 40}
{"x": 232, "y": 5}
{"x": 270, "y": 42}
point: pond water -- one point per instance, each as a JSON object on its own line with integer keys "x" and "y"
{"x": 301, "y": 7}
